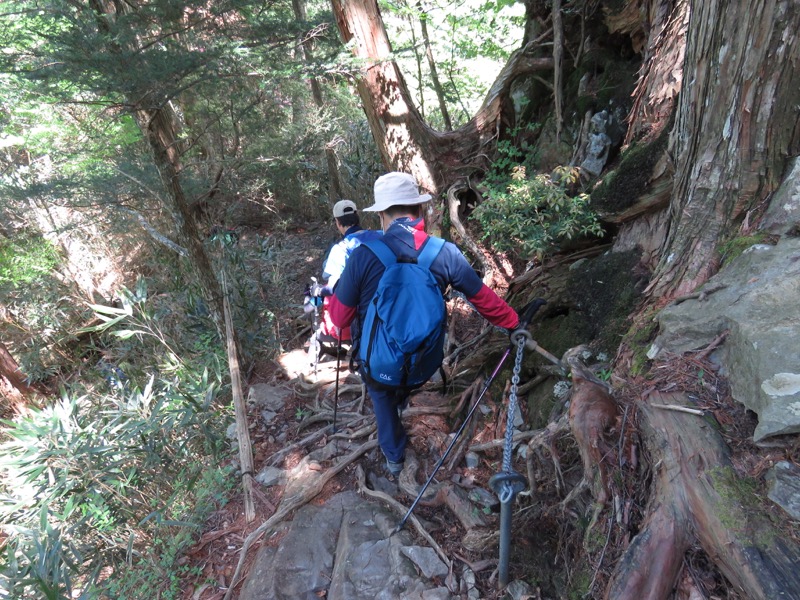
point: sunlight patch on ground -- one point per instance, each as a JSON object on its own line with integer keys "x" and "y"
{"x": 295, "y": 363}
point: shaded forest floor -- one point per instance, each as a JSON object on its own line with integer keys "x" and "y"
{"x": 551, "y": 549}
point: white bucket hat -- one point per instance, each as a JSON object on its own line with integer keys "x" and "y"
{"x": 396, "y": 189}
{"x": 344, "y": 207}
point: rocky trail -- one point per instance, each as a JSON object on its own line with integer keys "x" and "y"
{"x": 326, "y": 508}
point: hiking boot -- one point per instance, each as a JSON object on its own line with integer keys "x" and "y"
{"x": 401, "y": 408}
{"x": 394, "y": 468}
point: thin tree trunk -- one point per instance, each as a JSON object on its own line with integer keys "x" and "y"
{"x": 418, "y": 63}
{"x": 334, "y": 179}
{"x": 437, "y": 86}
{"x": 10, "y": 371}
{"x": 558, "y": 52}
{"x": 240, "y": 410}
{"x": 157, "y": 126}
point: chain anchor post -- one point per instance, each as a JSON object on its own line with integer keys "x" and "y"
{"x": 508, "y": 483}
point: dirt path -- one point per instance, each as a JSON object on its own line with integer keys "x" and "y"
{"x": 548, "y": 545}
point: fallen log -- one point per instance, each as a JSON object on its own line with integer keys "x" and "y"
{"x": 697, "y": 498}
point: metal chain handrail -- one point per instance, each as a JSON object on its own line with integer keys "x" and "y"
{"x": 512, "y": 406}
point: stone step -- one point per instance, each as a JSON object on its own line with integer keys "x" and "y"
{"x": 342, "y": 551}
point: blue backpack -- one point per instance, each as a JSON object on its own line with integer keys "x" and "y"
{"x": 402, "y": 336}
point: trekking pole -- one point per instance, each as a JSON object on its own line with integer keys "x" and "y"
{"x": 336, "y": 387}
{"x": 314, "y": 343}
{"x": 509, "y": 483}
{"x": 528, "y": 313}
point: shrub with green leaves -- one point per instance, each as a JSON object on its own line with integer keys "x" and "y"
{"x": 116, "y": 473}
{"x": 26, "y": 260}
{"x": 36, "y": 302}
{"x": 531, "y": 215}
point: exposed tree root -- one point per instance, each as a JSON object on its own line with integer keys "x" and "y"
{"x": 593, "y": 413}
{"x": 408, "y": 479}
{"x": 697, "y": 498}
{"x": 461, "y": 446}
{"x": 364, "y": 431}
{"x": 325, "y": 416}
{"x": 545, "y": 438}
{"x": 415, "y": 411}
{"x": 305, "y": 494}
{"x": 519, "y": 436}
{"x": 450, "y": 358}
{"x": 439, "y": 494}
{"x": 466, "y": 397}
{"x": 306, "y": 441}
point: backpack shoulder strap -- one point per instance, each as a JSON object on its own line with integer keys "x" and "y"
{"x": 429, "y": 253}
{"x": 381, "y": 250}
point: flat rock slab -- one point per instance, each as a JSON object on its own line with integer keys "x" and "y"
{"x": 757, "y": 302}
{"x": 783, "y": 481}
{"x": 269, "y": 398}
{"x": 342, "y": 551}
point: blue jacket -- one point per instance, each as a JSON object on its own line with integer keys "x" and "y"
{"x": 359, "y": 280}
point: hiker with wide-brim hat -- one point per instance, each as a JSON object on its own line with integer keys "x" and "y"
{"x": 398, "y": 203}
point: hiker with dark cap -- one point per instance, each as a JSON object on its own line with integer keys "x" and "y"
{"x": 345, "y": 214}
{"x": 399, "y": 206}
{"x": 348, "y": 223}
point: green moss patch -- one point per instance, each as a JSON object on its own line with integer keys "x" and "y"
{"x": 734, "y": 247}
{"x": 739, "y": 497}
{"x": 604, "y": 292}
{"x": 623, "y": 186}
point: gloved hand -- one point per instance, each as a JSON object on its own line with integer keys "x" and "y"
{"x": 313, "y": 295}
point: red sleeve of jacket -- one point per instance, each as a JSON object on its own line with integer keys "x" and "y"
{"x": 341, "y": 314}
{"x": 494, "y": 309}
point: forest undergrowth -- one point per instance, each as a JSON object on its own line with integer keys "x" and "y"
{"x": 146, "y": 500}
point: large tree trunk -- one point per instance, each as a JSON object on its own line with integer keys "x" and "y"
{"x": 736, "y": 125}
{"x": 405, "y": 141}
{"x": 661, "y": 74}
